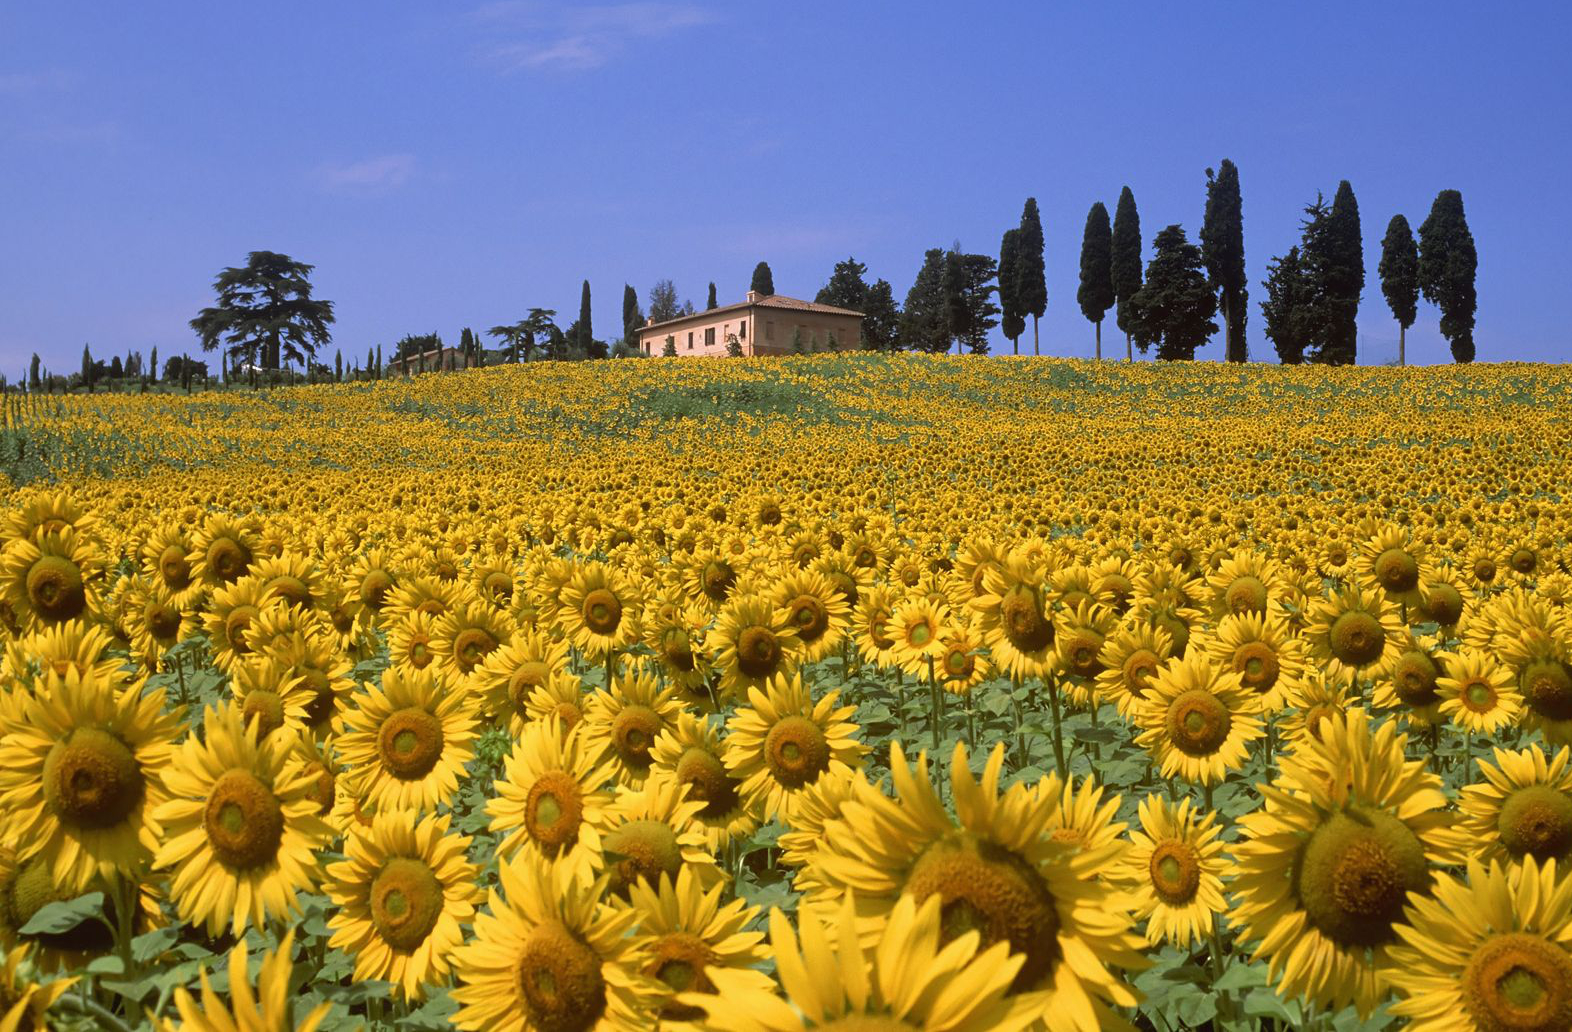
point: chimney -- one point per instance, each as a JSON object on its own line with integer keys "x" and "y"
{"x": 753, "y": 297}
{"x": 649, "y": 320}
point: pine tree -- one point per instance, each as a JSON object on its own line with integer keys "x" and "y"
{"x": 1031, "y": 287}
{"x": 1126, "y": 263}
{"x": 1448, "y": 264}
{"x": 1222, "y": 247}
{"x": 710, "y": 301}
{"x": 1174, "y": 307}
{"x": 763, "y": 281}
{"x": 1096, "y": 293}
{"x": 1013, "y": 322}
{"x": 924, "y": 322}
{"x": 846, "y": 288}
{"x": 880, "y": 318}
{"x": 1399, "y": 272}
{"x": 632, "y": 318}
{"x": 1284, "y": 310}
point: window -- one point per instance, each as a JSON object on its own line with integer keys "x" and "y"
{"x": 709, "y": 337}
{"x": 690, "y": 340}
{"x": 742, "y": 330}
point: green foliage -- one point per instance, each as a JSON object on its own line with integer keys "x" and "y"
{"x": 1174, "y": 308}
{"x": 881, "y": 319}
{"x": 1448, "y": 264}
{"x": 709, "y": 302}
{"x": 1125, "y": 262}
{"x": 1013, "y": 320}
{"x": 1399, "y": 271}
{"x": 632, "y": 318}
{"x": 846, "y": 287}
{"x": 763, "y": 280}
{"x": 1285, "y": 309}
{"x": 1031, "y": 284}
{"x": 1222, "y": 248}
{"x": 925, "y": 324}
{"x": 265, "y": 312}
{"x": 1096, "y": 292}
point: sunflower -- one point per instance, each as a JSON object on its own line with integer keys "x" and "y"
{"x": 1494, "y": 952}
{"x": 527, "y": 663}
{"x": 1198, "y": 719}
{"x": 156, "y": 624}
{"x": 1444, "y": 598}
{"x": 599, "y": 610}
{"x": 240, "y": 825}
{"x": 1541, "y": 659}
{"x": 51, "y": 580}
{"x": 325, "y": 676}
{"x": 1314, "y": 699}
{"x": 233, "y": 609}
{"x": 1015, "y": 618}
{"x": 76, "y": 645}
{"x": 1176, "y": 862}
{"x": 49, "y": 513}
{"x": 466, "y": 635}
{"x": 674, "y": 633}
{"x": 691, "y": 752}
{"x": 1350, "y": 828}
{"x": 625, "y": 722}
{"x": 997, "y": 870}
{"x": 915, "y": 626}
{"x": 23, "y": 1000}
{"x": 371, "y": 579}
{"x": 817, "y": 608}
{"x": 1244, "y": 582}
{"x": 752, "y": 641}
{"x": 875, "y": 603}
{"x": 290, "y": 578}
{"x": 1334, "y": 559}
{"x": 816, "y": 805}
{"x": 1130, "y": 658}
{"x": 692, "y": 931}
{"x": 412, "y": 643}
{"x": 1355, "y": 633}
{"x": 269, "y": 694}
{"x": 402, "y": 892}
{"x": 225, "y": 549}
{"x": 79, "y": 775}
{"x": 168, "y": 560}
{"x": 1410, "y": 685}
{"x": 1080, "y": 632}
{"x": 551, "y": 798}
{"x": 917, "y": 975}
{"x": 1523, "y": 808}
{"x": 961, "y": 665}
{"x": 783, "y": 741}
{"x": 1477, "y": 692}
{"x": 1392, "y": 562}
{"x": 416, "y": 594}
{"x": 269, "y": 1007}
{"x": 547, "y": 957}
{"x": 653, "y": 830}
{"x": 1262, "y": 650}
{"x": 411, "y": 738}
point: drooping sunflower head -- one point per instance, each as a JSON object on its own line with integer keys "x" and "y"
{"x": 1522, "y": 808}
{"x": 653, "y": 831}
{"x": 1080, "y": 634}
{"x": 691, "y": 752}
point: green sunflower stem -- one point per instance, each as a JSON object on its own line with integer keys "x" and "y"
{"x": 1052, "y": 683}
{"x": 933, "y": 707}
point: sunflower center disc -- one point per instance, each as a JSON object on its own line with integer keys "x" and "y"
{"x": 236, "y": 625}
{"x": 1139, "y": 667}
{"x": 1256, "y": 664}
{"x": 1357, "y": 638}
{"x": 92, "y": 779}
{"x": 796, "y": 751}
{"x": 1445, "y": 605}
{"x": 406, "y": 900}
{"x": 527, "y": 676}
{"x": 374, "y": 588}
{"x": 1397, "y": 570}
{"x": 706, "y": 778}
{"x": 919, "y": 634}
{"x": 989, "y": 889}
{"x": 559, "y": 980}
{"x": 266, "y": 708}
{"x": 1246, "y": 595}
{"x": 679, "y": 961}
{"x": 1176, "y": 872}
{"x": 499, "y": 586}
{"x": 1355, "y": 873}
{"x": 677, "y": 649}
{"x": 243, "y": 820}
{"x": 717, "y": 579}
{"x": 602, "y": 611}
{"x": 1198, "y": 722}
{"x": 758, "y": 651}
{"x": 1547, "y": 687}
{"x": 410, "y": 743}
{"x": 174, "y": 568}
{"x": 958, "y": 664}
{"x": 1022, "y": 619}
{"x": 471, "y": 646}
{"x": 292, "y": 590}
{"x": 1479, "y": 696}
{"x": 1414, "y": 678}
{"x": 54, "y": 587}
{"x": 323, "y": 787}
{"x": 1518, "y": 983}
{"x": 162, "y": 621}
{"x": 553, "y": 808}
{"x": 641, "y": 849}
{"x": 1084, "y": 651}
{"x": 1484, "y": 570}
{"x": 1537, "y": 821}
{"x": 228, "y": 558}
{"x": 633, "y": 732}
{"x": 1523, "y": 560}
{"x": 810, "y": 618}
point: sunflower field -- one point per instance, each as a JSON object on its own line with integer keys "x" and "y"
{"x": 847, "y": 692}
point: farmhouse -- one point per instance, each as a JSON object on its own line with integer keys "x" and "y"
{"x": 435, "y": 360}
{"x": 764, "y": 324}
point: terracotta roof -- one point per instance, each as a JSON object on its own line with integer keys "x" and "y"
{"x": 770, "y": 301}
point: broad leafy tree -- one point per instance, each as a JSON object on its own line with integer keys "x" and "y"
{"x": 1222, "y": 248}
{"x": 1285, "y": 310}
{"x": 265, "y": 312}
{"x": 1096, "y": 293}
{"x": 1399, "y": 272}
{"x": 1174, "y": 307}
{"x": 1031, "y": 285}
{"x": 1126, "y": 263}
{"x": 1448, "y": 263}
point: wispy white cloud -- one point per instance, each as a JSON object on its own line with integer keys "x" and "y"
{"x": 375, "y": 175}
{"x": 536, "y": 36}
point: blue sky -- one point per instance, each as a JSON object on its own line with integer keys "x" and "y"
{"x": 447, "y": 164}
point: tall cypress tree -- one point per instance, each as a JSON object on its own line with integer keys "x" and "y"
{"x": 1014, "y": 321}
{"x": 1031, "y": 287}
{"x": 1342, "y": 278}
{"x": 1399, "y": 272}
{"x": 710, "y": 303}
{"x": 1174, "y": 307}
{"x": 763, "y": 280}
{"x": 1126, "y": 263}
{"x": 1448, "y": 264}
{"x": 957, "y": 313}
{"x": 1096, "y": 293}
{"x": 632, "y": 318}
{"x": 1222, "y": 248}
{"x": 87, "y": 367}
{"x": 586, "y": 340}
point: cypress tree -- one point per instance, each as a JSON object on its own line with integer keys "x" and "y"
{"x": 338, "y": 366}
{"x": 1096, "y": 293}
{"x": 957, "y": 314}
{"x": 710, "y": 302}
{"x": 371, "y": 362}
{"x": 32, "y": 372}
{"x": 586, "y": 334}
{"x": 632, "y": 318}
{"x": 87, "y": 367}
{"x": 1126, "y": 263}
{"x": 1399, "y": 272}
{"x": 1174, "y": 308}
{"x": 1284, "y": 309}
{"x": 1341, "y": 278}
{"x": 1014, "y": 322}
{"x": 1222, "y": 247}
{"x": 150, "y": 375}
{"x": 1448, "y": 264}
{"x": 763, "y": 280}
{"x": 1031, "y": 288}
